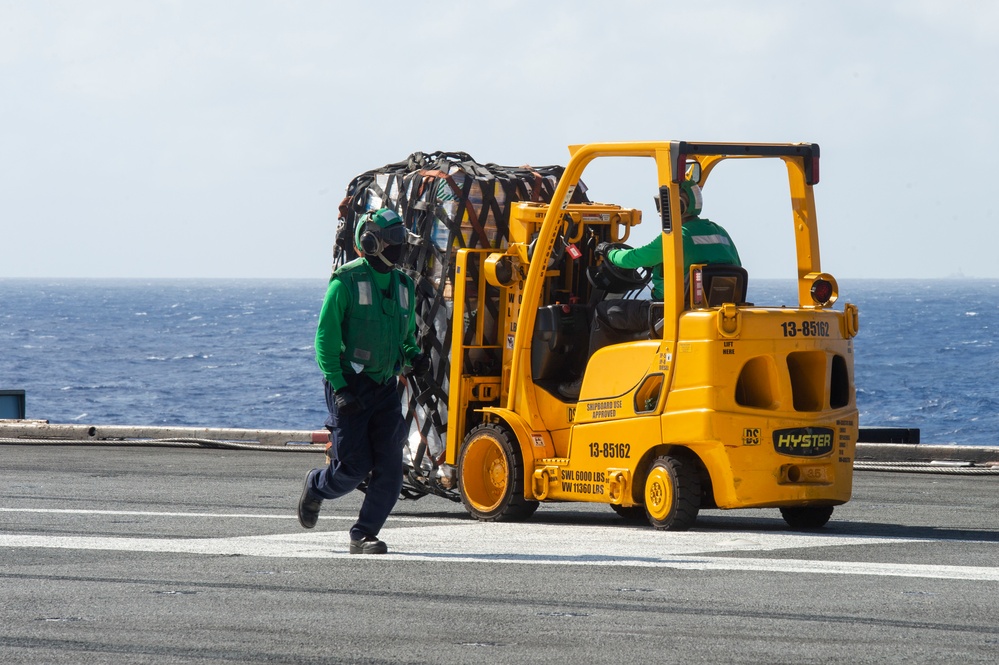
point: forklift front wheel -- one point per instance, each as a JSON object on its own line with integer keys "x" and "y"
{"x": 492, "y": 475}
{"x": 672, "y": 493}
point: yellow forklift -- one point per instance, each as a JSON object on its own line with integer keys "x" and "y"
{"x": 719, "y": 404}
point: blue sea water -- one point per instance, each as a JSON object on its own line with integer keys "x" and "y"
{"x": 213, "y": 353}
{"x": 238, "y": 353}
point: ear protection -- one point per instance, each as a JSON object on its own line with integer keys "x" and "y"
{"x": 377, "y": 230}
{"x": 693, "y": 195}
{"x": 367, "y": 236}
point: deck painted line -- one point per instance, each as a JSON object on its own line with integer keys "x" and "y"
{"x": 537, "y": 544}
{"x": 485, "y": 539}
{"x": 333, "y": 546}
{"x": 152, "y": 513}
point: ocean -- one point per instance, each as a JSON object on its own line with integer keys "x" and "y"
{"x": 239, "y": 353}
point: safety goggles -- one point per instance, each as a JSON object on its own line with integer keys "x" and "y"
{"x": 394, "y": 235}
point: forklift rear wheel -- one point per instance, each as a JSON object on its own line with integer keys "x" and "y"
{"x": 806, "y": 517}
{"x": 672, "y": 494}
{"x": 492, "y": 475}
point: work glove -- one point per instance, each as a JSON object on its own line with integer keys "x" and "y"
{"x": 603, "y": 248}
{"x": 420, "y": 365}
{"x": 346, "y": 402}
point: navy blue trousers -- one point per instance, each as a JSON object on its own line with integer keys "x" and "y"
{"x": 368, "y": 441}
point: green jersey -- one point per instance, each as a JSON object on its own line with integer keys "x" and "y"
{"x": 703, "y": 242}
{"x": 367, "y": 324}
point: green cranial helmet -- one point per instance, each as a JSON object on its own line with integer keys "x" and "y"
{"x": 377, "y": 230}
{"x": 694, "y": 200}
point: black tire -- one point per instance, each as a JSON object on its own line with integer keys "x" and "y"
{"x": 491, "y": 476}
{"x": 806, "y": 517}
{"x": 672, "y": 493}
{"x": 630, "y": 513}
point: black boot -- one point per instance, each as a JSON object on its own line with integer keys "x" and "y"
{"x": 308, "y": 505}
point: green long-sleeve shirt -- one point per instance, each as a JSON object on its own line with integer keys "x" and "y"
{"x": 703, "y": 242}
{"x": 364, "y": 327}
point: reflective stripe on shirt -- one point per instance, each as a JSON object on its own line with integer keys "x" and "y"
{"x": 404, "y": 299}
{"x": 364, "y": 293}
{"x": 713, "y": 239}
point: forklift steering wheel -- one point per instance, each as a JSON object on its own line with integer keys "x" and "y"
{"x": 608, "y": 277}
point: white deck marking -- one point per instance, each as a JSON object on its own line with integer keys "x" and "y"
{"x": 438, "y": 540}
{"x": 153, "y": 513}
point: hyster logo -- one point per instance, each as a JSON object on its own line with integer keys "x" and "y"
{"x": 804, "y": 441}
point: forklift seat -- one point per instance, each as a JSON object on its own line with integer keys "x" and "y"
{"x": 720, "y": 283}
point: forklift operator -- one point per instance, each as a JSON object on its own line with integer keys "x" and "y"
{"x": 618, "y": 320}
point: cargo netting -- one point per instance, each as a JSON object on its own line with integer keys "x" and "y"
{"x": 450, "y": 202}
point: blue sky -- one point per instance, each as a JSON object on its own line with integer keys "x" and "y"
{"x": 215, "y": 139}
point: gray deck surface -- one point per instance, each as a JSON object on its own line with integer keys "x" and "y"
{"x": 170, "y": 555}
